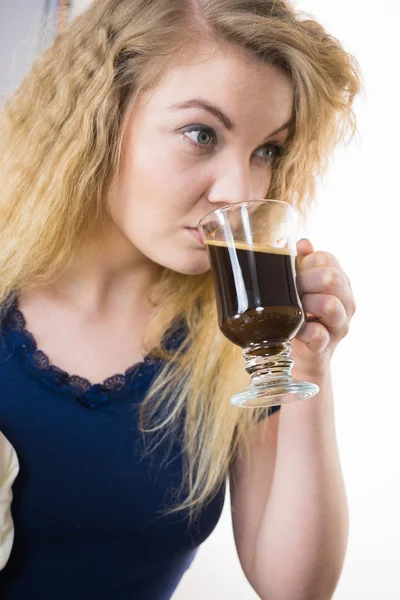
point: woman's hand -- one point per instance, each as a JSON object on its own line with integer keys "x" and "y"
{"x": 328, "y": 301}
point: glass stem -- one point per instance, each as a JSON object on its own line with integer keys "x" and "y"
{"x": 268, "y": 361}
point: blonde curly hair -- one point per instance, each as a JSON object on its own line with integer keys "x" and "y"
{"x": 60, "y": 137}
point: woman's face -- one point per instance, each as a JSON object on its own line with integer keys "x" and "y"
{"x": 202, "y": 139}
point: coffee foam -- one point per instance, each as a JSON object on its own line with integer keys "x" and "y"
{"x": 252, "y": 247}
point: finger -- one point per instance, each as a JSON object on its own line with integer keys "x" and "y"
{"x": 329, "y": 310}
{"x": 304, "y": 248}
{"x": 315, "y": 336}
{"x": 327, "y": 280}
{"x": 322, "y": 259}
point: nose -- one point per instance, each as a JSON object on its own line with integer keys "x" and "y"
{"x": 234, "y": 182}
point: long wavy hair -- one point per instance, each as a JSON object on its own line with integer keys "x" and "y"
{"x": 60, "y": 144}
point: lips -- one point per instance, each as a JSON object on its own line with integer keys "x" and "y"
{"x": 196, "y": 234}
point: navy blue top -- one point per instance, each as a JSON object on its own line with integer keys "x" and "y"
{"x": 88, "y": 502}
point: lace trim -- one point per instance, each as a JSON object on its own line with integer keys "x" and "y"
{"x": 88, "y": 394}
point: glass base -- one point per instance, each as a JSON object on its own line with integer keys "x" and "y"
{"x": 274, "y": 392}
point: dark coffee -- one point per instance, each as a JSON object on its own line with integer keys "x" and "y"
{"x": 256, "y": 293}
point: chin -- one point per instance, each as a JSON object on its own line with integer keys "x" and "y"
{"x": 189, "y": 265}
{"x": 193, "y": 269}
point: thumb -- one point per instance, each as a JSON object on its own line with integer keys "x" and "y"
{"x": 304, "y": 248}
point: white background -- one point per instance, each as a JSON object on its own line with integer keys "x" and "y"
{"x": 357, "y": 220}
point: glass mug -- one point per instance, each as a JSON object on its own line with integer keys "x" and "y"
{"x": 252, "y": 251}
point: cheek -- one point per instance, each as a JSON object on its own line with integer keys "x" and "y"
{"x": 144, "y": 194}
{"x": 157, "y": 181}
{"x": 159, "y": 234}
{"x": 152, "y": 207}
{"x": 261, "y": 177}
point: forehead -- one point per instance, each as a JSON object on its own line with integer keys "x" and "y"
{"x": 226, "y": 76}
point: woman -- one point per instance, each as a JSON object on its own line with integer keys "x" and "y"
{"x": 140, "y": 119}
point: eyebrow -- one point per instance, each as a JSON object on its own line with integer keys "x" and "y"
{"x": 219, "y": 114}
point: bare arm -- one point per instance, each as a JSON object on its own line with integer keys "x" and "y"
{"x": 289, "y": 504}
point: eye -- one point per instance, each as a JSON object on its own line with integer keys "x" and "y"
{"x": 270, "y": 153}
{"x": 201, "y": 136}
